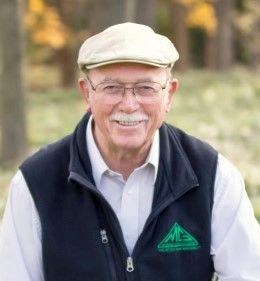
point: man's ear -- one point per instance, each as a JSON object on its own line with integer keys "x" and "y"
{"x": 174, "y": 83}
{"x": 84, "y": 89}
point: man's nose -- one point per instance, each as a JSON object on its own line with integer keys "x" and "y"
{"x": 129, "y": 101}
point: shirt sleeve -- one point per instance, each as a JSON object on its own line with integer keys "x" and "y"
{"x": 20, "y": 240}
{"x": 235, "y": 230}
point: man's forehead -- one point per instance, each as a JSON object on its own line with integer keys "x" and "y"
{"x": 121, "y": 69}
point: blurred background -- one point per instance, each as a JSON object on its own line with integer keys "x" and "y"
{"x": 219, "y": 95}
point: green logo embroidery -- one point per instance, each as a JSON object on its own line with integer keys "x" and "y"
{"x": 178, "y": 239}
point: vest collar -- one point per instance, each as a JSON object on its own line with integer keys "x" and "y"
{"x": 79, "y": 159}
{"x": 174, "y": 162}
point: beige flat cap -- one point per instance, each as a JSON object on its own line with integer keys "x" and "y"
{"x": 127, "y": 42}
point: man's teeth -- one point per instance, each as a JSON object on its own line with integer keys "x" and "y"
{"x": 129, "y": 123}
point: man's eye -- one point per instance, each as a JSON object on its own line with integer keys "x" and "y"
{"x": 144, "y": 88}
{"x": 112, "y": 87}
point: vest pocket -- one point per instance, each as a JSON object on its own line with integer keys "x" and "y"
{"x": 109, "y": 255}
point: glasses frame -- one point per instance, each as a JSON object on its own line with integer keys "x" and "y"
{"x": 94, "y": 87}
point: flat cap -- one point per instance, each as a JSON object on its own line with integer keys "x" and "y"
{"x": 127, "y": 42}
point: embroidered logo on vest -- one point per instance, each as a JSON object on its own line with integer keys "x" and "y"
{"x": 178, "y": 239}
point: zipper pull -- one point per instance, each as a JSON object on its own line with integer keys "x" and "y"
{"x": 104, "y": 236}
{"x": 129, "y": 264}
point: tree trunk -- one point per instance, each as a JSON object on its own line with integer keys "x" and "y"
{"x": 103, "y": 13}
{"x": 130, "y": 10}
{"x": 255, "y": 45}
{"x": 210, "y": 52}
{"x": 180, "y": 34}
{"x": 66, "y": 62}
{"x": 13, "y": 125}
{"x": 140, "y": 11}
{"x": 224, "y": 37}
{"x": 145, "y": 12}
{"x": 72, "y": 14}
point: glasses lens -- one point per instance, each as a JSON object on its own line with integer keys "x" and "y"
{"x": 110, "y": 88}
{"x": 111, "y": 92}
{"x": 145, "y": 92}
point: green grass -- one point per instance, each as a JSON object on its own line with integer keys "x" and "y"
{"x": 222, "y": 109}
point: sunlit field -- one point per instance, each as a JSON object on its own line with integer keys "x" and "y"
{"x": 222, "y": 109}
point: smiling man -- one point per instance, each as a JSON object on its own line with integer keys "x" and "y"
{"x": 128, "y": 102}
{"x": 127, "y": 196}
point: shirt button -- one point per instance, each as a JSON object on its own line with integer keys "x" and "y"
{"x": 129, "y": 192}
{"x": 111, "y": 174}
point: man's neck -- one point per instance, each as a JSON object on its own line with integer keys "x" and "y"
{"x": 123, "y": 161}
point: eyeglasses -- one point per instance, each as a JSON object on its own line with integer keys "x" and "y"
{"x": 113, "y": 92}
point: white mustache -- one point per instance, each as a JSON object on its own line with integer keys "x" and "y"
{"x": 124, "y": 117}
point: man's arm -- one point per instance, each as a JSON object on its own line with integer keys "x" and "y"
{"x": 20, "y": 241}
{"x": 235, "y": 231}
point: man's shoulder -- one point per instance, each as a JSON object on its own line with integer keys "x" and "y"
{"x": 185, "y": 139}
{"x": 48, "y": 154}
{"x": 201, "y": 155}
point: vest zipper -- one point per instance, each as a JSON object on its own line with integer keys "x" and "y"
{"x": 130, "y": 264}
{"x": 83, "y": 182}
{"x": 104, "y": 238}
{"x": 109, "y": 255}
{"x": 155, "y": 213}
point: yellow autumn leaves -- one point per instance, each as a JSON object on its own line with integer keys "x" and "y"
{"x": 200, "y": 14}
{"x": 47, "y": 28}
{"x": 45, "y": 25}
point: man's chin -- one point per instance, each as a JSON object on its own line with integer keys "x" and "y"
{"x": 129, "y": 143}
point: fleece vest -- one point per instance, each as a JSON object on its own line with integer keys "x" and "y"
{"x": 81, "y": 236}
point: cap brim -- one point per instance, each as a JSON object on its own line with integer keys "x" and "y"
{"x": 103, "y": 63}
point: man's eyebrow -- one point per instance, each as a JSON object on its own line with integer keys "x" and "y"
{"x": 139, "y": 80}
{"x": 110, "y": 79}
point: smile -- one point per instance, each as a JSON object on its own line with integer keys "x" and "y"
{"x": 124, "y": 119}
{"x": 129, "y": 123}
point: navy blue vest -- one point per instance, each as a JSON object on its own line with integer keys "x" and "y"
{"x": 81, "y": 236}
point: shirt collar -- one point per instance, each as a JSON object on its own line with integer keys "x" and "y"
{"x": 153, "y": 156}
{"x": 99, "y": 167}
{"x": 97, "y": 162}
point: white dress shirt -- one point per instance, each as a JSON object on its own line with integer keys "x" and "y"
{"x": 235, "y": 232}
{"x": 128, "y": 198}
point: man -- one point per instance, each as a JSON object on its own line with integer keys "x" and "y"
{"x": 127, "y": 196}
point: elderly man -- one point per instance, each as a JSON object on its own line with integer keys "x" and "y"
{"x": 127, "y": 196}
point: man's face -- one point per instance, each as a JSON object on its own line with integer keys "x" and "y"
{"x": 111, "y": 129}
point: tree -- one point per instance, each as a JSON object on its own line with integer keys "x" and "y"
{"x": 13, "y": 125}
{"x": 130, "y": 10}
{"x": 140, "y": 11}
{"x": 46, "y": 28}
{"x": 180, "y": 32}
{"x": 202, "y": 16}
{"x": 145, "y": 12}
{"x": 104, "y": 13}
{"x": 224, "y": 37}
{"x": 62, "y": 25}
{"x": 247, "y": 24}
{"x": 188, "y": 18}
